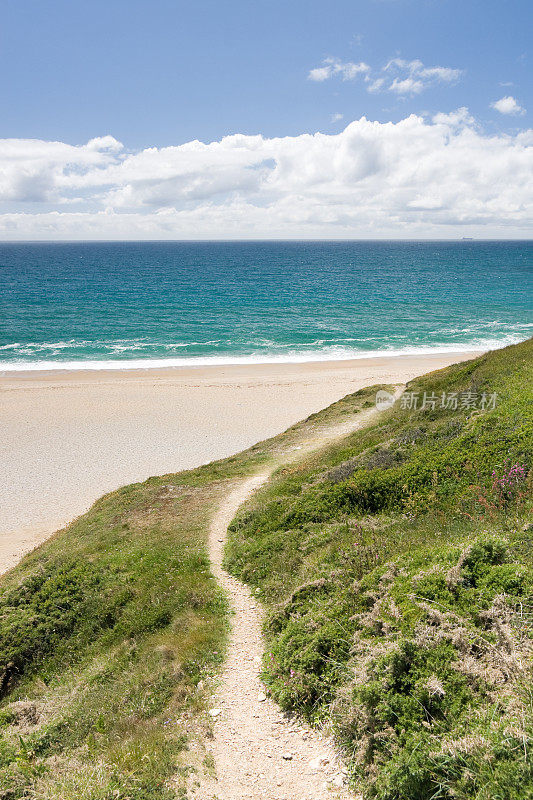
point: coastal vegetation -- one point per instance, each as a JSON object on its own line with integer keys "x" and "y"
{"x": 110, "y": 631}
{"x": 396, "y": 568}
{"x": 105, "y": 633}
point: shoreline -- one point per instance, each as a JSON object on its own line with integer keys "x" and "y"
{"x": 189, "y": 370}
{"x": 71, "y": 436}
{"x": 140, "y": 365}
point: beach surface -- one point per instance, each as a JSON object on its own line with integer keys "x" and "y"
{"x": 70, "y": 436}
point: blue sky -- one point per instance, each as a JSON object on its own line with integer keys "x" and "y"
{"x": 165, "y": 72}
{"x": 130, "y": 119}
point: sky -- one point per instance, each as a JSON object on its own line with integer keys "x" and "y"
{"x": 171, "y": 120}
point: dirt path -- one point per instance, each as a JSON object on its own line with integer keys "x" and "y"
{"x": 259, "y": 753}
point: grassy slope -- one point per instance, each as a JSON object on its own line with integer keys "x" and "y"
{"x": 107, "y": 630}
{"x": 398, "y": 577}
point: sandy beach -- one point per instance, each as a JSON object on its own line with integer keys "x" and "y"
{"x": 70, "y": 436}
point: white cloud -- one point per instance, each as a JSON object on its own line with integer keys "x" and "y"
{"x": 508, "y": 105}
{"x": 375, "y": 85}
{"x": 442, "y": 74}
{"x": 412, "y": 77}
{"x": 320, "y": 74}
{"x": 406, "y": 86}
{"x": 406, "y": 179}
{"x": 398, "y": 75}
{"x": 337, "y": 117}
{"x": 33, "y": 170}
{"x": 461, "y": 116}
{"x": 346, "y": 70}
{"x": 105, "y": 144}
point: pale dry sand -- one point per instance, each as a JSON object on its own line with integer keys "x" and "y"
{"x": 69, "y": 437}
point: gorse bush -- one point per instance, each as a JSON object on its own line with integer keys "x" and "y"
{"x": 40, "y": 614}
{"x": 451, "y": 650}
{"x": 397, "y": 566}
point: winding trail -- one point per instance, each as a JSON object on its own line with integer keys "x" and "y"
{"x": 260, "y": 753}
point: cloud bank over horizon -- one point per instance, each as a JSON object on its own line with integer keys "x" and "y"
{"x": 419, "y": 177}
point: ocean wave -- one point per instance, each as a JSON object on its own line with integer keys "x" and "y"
{"x": 332, "y": 353}
{"x": 260, "y": 349}
{"x": 120, "y": 345}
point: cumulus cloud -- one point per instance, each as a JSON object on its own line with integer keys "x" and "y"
{"x": 461, "y": 116}
{"x": 337, "y": 117}
{"x": 415, "y": 177}
{"x": 34, "y": 170}
{"x": 508, "y": 105}
{"x": 398, "y": 75}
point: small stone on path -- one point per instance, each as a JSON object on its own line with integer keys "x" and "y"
{"x": 319, "y": 762}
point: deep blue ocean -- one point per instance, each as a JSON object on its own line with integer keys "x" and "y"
{"x": 156, "y": 303}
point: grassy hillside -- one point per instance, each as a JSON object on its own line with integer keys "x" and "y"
{"x": 108, "y": 632}
{"x": 105, "y": 632}
{"x": 397, "y": 567}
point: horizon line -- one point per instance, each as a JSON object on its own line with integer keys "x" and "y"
{"x": 468, "y": 239}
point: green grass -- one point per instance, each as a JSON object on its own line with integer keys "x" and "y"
{"x": 398, "y": 581}
{"x": 398, "y": 575}
{"x": 109, "y": 631}
{"x": 106, "y": 631}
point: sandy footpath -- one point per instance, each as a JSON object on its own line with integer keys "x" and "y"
{"x": 258, "y": 752}
{"x": 68, "y": 437}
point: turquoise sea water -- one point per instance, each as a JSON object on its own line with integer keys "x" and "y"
{"x": 155, "y": 303}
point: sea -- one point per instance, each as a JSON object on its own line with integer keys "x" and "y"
{"x": 94, "y": 305}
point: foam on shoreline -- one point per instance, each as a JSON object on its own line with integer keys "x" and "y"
{"x": 302, "y": 357}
